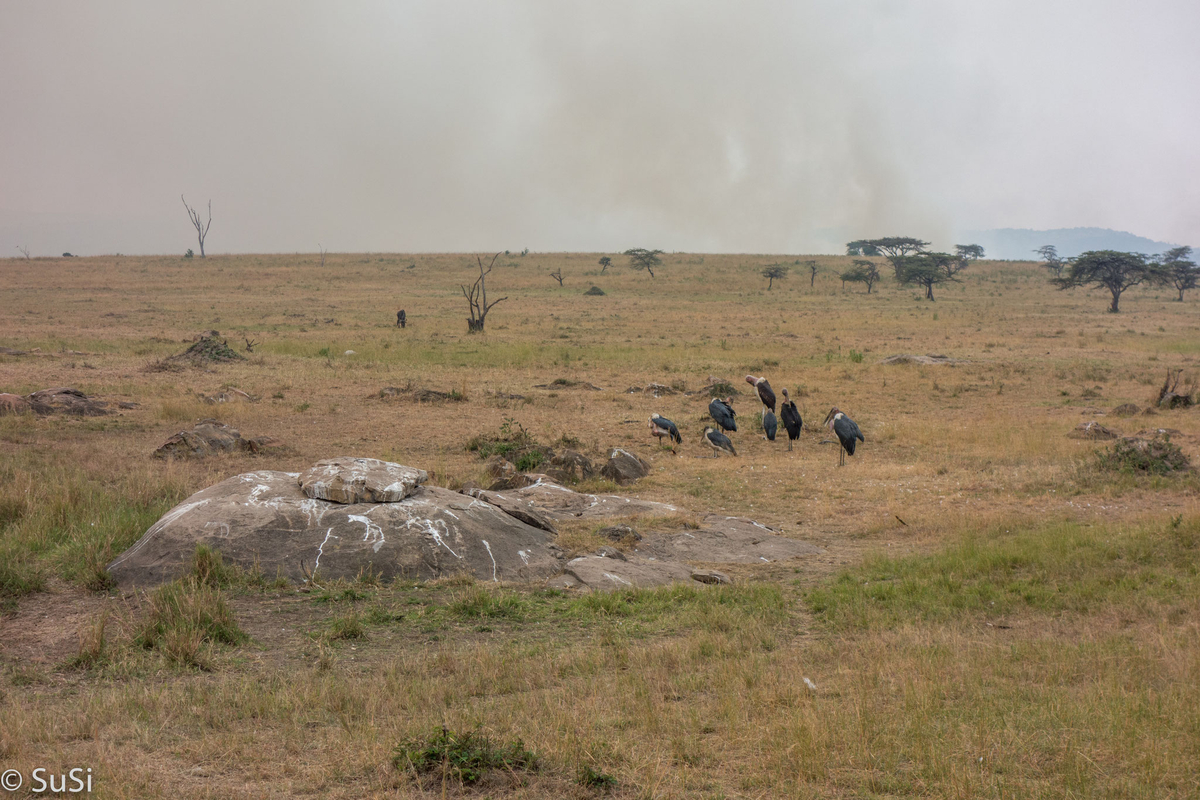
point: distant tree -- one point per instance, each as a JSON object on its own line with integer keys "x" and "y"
{"x": 557, "y": 275}
{"x": 928, "y": 270}
{"x": 1114, "y": 270}
{"x": 322, "y": 251}
{"x": 1180, "y": 271}
{"x": 201, "y": 227}
{"x": 862, "y": 247}
{"x": 605, "y": 263}
{"x": 863, "y": 271}
{"x": 1051, "y": 260}
{"x": 969, "y": 251}
{"x": 775, "y": 272}
{"x": 813, "y": 269}
{"x": 477, "y": 300}
{"x": 642, "y": 259}
{"x": 24, "y": 251}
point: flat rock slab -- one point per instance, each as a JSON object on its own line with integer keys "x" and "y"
{"x": 1093, "y": 431}
{"x": 13, "y": 404}
{"x": 725, "y": 540}
{"x": 523, "y": 510}
{"x": 350, "y": 480}
{"x": 558, "y": 503}
{"x": 64, "y": 400}
{"x": 603, "y": 574}
{"x": 210, "y": 437}
{"x": 264, "y": 518}
{"x": 928, "y": 358}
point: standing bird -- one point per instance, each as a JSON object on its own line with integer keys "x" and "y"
{"x": 660, "y": 426}
{"x": 791, "y": 419}
{"x": 847, "y": 431}
{"x": 722, "y": 412}
{"x": 718, "y": 442}
{"x": 770, "y": 425}
{"x": 764, "y": 391}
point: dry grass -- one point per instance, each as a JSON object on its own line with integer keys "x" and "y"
{"x": 1084, "y": 684}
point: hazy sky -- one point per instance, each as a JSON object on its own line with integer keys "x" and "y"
{"x": 740, "y": 126}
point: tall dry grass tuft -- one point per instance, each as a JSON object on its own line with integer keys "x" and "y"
{"x": 185, "y": 619}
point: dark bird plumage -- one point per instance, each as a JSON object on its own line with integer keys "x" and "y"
{"x": 718, "y": 442}
{"x": 660, "y": 426}
{"x": 790, "y": 416}
{"x": 770, "y": 425}
{"x": 722, "y": 413}
{"x": 765, "y": 394}
{"x": 846, "y": 430}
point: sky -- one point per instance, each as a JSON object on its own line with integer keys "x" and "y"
{"x": 755, "y": 127}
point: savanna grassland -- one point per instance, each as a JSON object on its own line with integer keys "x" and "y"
{"x": 995, "y": 614}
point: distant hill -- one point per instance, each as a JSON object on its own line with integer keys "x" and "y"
{"x": 1019, "y": 243}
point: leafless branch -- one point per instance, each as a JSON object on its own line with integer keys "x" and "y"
{"x": 200, "y": 226}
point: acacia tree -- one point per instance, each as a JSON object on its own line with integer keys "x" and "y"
{"x": 968, "y": 251}
{"x": 605, "y": 263}
{"x": 1180, "y": 271}
{"x": 1112, "y": 269}
{"x": 863, "y": 271}
{"x": 640, "y": 258}
{"x": 1049, "y": 254}
{"x": 557, "y": 275}
{"x": 928, "y": 270}
{"x": 201, "y": 227}
{"x": 775, "y": 272}
{"x": 862, "y": 247}
{"x": 477, "y": 300}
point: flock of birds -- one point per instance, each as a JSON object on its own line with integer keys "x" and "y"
{"x": 723, "y": 414}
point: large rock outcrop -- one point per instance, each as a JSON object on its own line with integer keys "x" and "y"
{"x": 265, "y": 518}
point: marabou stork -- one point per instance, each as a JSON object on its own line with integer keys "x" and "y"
{"x": 722, "y": 412}
{"x": 764, "y": 391}
{"x": 791, "y": 418}
{"x": 718, "y": 442}
{"x": 847, "y": 431}
{"x": 770, "y": 425}
{"x": 660, "y": 426}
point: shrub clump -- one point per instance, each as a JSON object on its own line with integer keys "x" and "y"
{"x": 186, "y": 619}
{"x": 1157, "y": 456}
{"x": 595, "y": 291}
{"x": 511, "y": 441}
{"x": 465, "y": 757}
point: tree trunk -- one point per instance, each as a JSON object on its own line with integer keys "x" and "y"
{"x": 771, "y": 281}
{"x": 929, "y": 292}
{"x": 1115, "y": 308}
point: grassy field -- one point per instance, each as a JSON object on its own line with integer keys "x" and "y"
{"x": 996, "y": 612}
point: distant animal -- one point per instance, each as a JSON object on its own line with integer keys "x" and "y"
{"x": 67, "y": 255}
{"x": 401, "y": 318}
{"x": 770, "y": 425}
{"x": 764, "y": 391}
{"x": 718, "y": 442}
{"x": 660, "y": 426}
{"x": 790, "y": 416}
{"x": 723, "y": 414}
{"x": 847, "y": 432}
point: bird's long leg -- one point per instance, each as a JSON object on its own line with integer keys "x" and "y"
{"x": 789, "y": 444}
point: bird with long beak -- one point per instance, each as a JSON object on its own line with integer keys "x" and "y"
{"x": 770, "y": 425}
{"x": 660, "y": 426}
{"x": 846, "y": 430}
{"x": 790, "y": 416}
{"x": 765, "y": 394}
{"x": 718, "y": 442}
{"x": 723, "y": 414}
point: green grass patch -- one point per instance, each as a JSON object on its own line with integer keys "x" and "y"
{"x": 1065, "y": 567}
{"x": 463, "y": 757}
{"x": 185, "y": 620}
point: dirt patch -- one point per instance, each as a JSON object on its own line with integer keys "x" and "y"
{"x": 928, "y": 358}
{"x": 419, "y": 394}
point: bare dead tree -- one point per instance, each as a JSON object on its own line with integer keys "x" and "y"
{"x": 250, "y": 344}
{"x": 477, "y": 300}
{"x": 323, "y": 252}
{"x": 557, "y": 275}
{"x": 24, "y": 251}
{"x": 201, "y": 227}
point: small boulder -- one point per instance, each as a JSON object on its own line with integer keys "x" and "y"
{"x": 710, "y": 576}
{"x": 207, "y": 438}
{"x": 1126, "y": 410}
{"x": 600, "y": 573}
{"x": 621, "y": 534}
{"x": 1092, "y": 431}
{"x": 505, "y": 476}
{"x": 624, "y": 467}
{"x": 573, "y": 466}
{"x": 64, "y": 400}
{"x": 350, "y": 480}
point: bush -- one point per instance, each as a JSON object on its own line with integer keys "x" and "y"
{"x": 1157, "y": 456}
{"x": 595, "y": 291}
{"x": 466, "y": 757}
{"x": 185, "y": 616}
